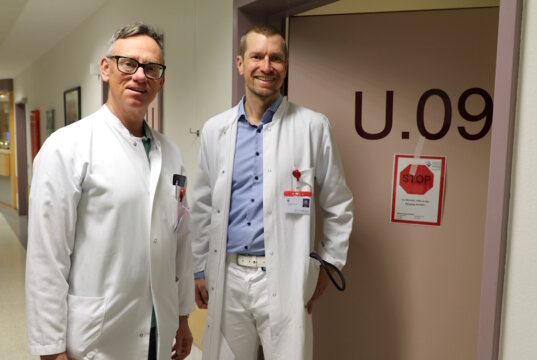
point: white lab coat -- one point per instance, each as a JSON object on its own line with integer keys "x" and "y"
{"x": 297, "y": 138}
{"x": 101, "y": 245}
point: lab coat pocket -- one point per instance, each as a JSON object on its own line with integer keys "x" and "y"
{"x": 85, "y": 317}
{"x": 176, "y": 212}
{"x": 312, "y": 275}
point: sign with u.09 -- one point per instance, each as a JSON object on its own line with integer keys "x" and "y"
{"x": 418, "y": 189}
{"x": 482, "y": 116}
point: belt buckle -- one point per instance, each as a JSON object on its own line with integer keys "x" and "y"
{"x": 247, "y": 260}
{"x": 237, "y": 259}
{"x": 242, "y": 260}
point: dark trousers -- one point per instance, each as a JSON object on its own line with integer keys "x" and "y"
{"x": 152, "y": 345}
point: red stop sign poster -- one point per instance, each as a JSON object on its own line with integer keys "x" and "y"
{"x": 416, "y": 179}
{"x": 418, "y": 189}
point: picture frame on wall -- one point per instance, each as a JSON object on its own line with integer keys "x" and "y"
{"x": 71, "y": 105}
{"x": 49, "y": 127}
{"x": 153, "y": 116}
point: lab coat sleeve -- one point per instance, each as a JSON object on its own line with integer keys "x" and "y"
{"x": 185, "y": 267}
{"x": 55, "y": 192}
{"x": 201, "y": 207}
{"x": 335, "y": 201}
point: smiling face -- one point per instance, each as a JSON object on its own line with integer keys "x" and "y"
{"x": 130, "y": 95}
{"x": 263, "y": 66}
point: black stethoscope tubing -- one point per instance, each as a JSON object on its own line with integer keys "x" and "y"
{"x": 325, "y": 265}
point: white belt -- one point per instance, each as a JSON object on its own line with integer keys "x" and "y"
{"x": 247, "y": 260}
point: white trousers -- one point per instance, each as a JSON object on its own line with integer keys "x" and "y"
{"x": 245, "y": 319}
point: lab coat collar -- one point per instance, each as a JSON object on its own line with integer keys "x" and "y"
{"x": 114, "y": 121}
{"x": 278, "y": 115}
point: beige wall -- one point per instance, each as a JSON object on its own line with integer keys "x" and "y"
{"x": 197, "y": 37}
{"x": 519, "y": 318}
{"x": 413, "y": 291}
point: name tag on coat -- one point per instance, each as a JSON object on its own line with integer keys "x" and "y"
{"x": 297, "y": 202}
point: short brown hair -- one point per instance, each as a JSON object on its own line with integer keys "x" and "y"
{"x": 267, "y": 31}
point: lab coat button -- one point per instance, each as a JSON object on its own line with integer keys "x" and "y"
{"x": 134, "y": 143}
{"x": 273, "y": 294}
{"x": 141, "y": 335}
{"x": 155, "y": 241}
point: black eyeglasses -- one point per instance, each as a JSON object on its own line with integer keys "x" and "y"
{"x": 129, "y": 66}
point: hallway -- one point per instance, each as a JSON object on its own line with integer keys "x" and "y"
{"x": 13, "y": 239}
{"x": 12, "y": 264}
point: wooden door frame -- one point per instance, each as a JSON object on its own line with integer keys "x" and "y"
{"x": 21, "y": 157}
{"x": 499, "y": 184}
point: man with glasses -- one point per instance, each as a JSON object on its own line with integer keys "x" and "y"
{"x": 109, "y": 265}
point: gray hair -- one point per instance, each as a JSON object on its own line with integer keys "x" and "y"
{"x": 135, "y": 29}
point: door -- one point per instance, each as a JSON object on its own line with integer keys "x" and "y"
{"x": 21, "y": 158}
{"x": 385, "y": 80}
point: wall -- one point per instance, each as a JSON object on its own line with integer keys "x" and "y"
{"x": 197, "y": 41}
{"x": 519, "y": 319}
{"x": 5, "y": 190}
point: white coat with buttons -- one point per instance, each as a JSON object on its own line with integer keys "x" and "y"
{"x": 101, "y": 244}
{"x": 297, "y": 138}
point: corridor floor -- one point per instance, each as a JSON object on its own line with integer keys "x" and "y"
{"x": 13, "y": 238}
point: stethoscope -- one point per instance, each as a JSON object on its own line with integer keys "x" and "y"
{"x": 325, "y": 265}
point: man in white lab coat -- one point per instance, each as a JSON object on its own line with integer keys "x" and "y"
{"x": 109, "y": 264}
{"x": 253, "y": 214}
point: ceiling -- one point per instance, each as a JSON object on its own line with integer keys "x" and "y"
{"x": 29, "y": 28}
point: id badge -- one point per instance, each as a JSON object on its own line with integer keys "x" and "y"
{"x": 297, "y": 202}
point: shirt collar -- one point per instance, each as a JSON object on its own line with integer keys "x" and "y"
{"x": 147, "y": 133}
{"x": 267, "y": 115}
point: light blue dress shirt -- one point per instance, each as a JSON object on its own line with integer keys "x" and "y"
{"x": 245, "y": 234}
